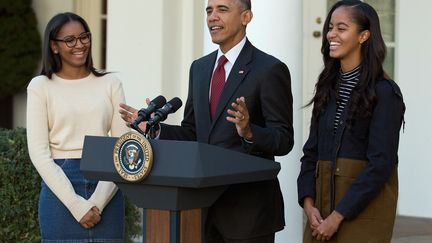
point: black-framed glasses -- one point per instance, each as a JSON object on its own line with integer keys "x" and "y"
{"x": 71, "y": 40}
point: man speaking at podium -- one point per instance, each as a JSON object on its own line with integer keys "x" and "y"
{"x": 239, "y": 98}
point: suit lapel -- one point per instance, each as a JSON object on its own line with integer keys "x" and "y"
{"x": 235, "y": 78}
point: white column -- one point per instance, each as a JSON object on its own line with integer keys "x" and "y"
{"x": 150, "y": 46}
{"x": 135, "y": 47}
{"x": 91, "y": 11}
{"x": 276, "y": 28}
{"x": 413, "y": 68}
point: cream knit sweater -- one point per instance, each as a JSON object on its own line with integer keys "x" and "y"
{"x": 60, "y": 113}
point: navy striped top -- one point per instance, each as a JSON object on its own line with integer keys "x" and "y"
{"x": 346, "y": 83}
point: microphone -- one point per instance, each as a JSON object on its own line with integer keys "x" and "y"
{"x": 144, "y": 113}
{"x": 161, "y": 114}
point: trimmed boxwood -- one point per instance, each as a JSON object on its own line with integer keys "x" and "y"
{"x": 19, "y": 193}
{"x": 20, "y": 45}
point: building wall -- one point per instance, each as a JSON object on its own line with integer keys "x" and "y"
{"x": 413, "y": 67}
{"x": 151, "y": 45}
{"x": 46, "y": 9}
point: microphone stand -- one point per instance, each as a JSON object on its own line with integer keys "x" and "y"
{"x": 151, "y": 132}
{"x": 136, "y": 128}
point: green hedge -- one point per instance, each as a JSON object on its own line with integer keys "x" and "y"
{"x": 19, "y": 193}
{"x": 20, "y": 45}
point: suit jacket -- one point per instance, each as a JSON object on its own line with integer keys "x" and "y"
{"x": 250, "y": 209}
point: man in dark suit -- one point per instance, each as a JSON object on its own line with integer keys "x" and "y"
{"x": 252, "y": 114}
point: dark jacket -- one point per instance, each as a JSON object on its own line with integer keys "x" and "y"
{"x": 250, "y": 209}
{"x": 354, "y": 170}
{"x": 374, "y": 139}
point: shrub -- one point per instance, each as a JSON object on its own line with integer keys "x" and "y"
{"x": 20, "y": 186}
{"x": 19, "y": 193}
{"x": 20, "y": 45}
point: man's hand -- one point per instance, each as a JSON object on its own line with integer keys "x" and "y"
{"x": 239, "y": 115}
{"x": 129, "y": 114}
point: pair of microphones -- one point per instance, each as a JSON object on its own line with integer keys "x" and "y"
{"x": 161, "y": 110}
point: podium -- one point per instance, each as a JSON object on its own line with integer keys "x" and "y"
{"x": 186, "y": 176}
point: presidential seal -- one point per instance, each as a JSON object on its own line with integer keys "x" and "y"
{"x": 133, "y": 156}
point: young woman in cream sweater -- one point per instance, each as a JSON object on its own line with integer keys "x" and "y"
{"x": 70, "y": 99}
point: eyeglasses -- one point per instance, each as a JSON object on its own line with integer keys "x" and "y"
{"x": 71, "y": 40}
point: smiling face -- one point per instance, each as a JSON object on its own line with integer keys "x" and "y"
{"x": 345, "y": 39}
{"x": 227, "y": 21}
{"x": 71, "y": 57}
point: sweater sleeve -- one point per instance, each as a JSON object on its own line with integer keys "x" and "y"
{"x": 40, "y": 154}
{"x": 106, "y": 190}
{"x": 118, "y": 126}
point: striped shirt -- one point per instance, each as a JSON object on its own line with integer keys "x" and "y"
{"x": 346, "y": 83}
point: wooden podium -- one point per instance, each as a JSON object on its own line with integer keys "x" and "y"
{"x": 186, "y": 177}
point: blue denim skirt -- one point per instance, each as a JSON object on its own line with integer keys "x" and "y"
{"x": 57, "y": 225}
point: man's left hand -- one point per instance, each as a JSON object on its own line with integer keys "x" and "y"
{"x": 239, "y": 115}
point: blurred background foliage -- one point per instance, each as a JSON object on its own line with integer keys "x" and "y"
{"x": 20, "y": 45}
{"x": 20, "y": 52}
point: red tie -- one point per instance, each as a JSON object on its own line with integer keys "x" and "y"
{"x": 217, "y": 85}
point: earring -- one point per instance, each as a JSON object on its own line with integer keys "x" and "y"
{"x": 55, "y": 52}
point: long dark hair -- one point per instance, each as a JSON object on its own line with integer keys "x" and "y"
{"x": 51, "y": 63}
{"x": 373, "y": 52}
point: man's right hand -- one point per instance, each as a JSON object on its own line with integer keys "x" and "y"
{"x": 91, "y": 218}
{"x": 129, "y": 114}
